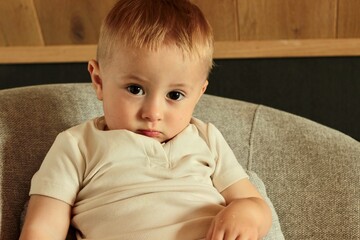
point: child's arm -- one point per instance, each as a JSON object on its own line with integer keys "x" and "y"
{"x": 246, "y": 215}
{"x": 46, "y": 218}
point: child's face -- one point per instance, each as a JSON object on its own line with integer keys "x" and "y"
{"x": 149, "y": 93}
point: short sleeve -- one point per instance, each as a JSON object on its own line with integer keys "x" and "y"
{"x": 60, "y": 174}
{"x": 228, "y": 170}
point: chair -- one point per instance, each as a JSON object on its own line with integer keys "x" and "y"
{"x": 311, "y": 172}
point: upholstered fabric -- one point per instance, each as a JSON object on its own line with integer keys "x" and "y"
{"x": 311, "y": 172}
{"x": 30, "y": 119}
{"x": 275, "y": 232}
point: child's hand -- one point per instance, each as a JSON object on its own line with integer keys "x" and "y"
{"x": 245, "y": 217}
{"x": 239, "y": 220}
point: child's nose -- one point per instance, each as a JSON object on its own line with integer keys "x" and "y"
{"x": 152, "y": 110}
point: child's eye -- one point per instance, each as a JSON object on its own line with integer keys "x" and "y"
{"x": 175, "y": 95}
{"x": 136, "y": 90}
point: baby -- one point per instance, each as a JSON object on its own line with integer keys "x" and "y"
{"x": 146, "y": 169}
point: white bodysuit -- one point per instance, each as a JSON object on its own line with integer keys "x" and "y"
{"x": 122, "y": 185}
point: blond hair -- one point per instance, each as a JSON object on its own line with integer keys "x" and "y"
{"x": 151, "y": 24}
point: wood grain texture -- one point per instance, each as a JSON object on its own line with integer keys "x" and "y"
{"x": 222, "y": 16}
{"x": 71, "y": 22}
{"x": 287, "y": 48}
{"x": 19, "y": 24}
{"x": 47, "y": 54}
{"x": 287, "y": 19}
{"x": 242, "y": 28}
{"x": 349, "y": 19}
{"x": 223, "y": 50}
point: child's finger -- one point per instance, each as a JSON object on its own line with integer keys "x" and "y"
{"x": 215, "y": 232}
{"x": 210, "y": 231}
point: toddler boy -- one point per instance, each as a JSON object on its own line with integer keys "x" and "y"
{"x": 146, "y": 169}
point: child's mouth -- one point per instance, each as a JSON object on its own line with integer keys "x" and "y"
{"x": 149, "y": 133}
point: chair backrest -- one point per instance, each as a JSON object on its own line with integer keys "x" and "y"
{"x": 311, "y": 172}
{"x": 30, "y": 119}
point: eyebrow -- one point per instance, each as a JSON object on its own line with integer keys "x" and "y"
{"x": 133, "y": 76}
{"x": 128, "y": 78}
{"x": 181, "y": 85}
{"x": 137, "y": 78}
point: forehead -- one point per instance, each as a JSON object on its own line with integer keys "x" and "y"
{"x": 120, "y": 48}
{"x": 165, "y": 60}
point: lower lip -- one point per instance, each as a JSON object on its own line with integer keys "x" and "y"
{"x": 152, "y": 134}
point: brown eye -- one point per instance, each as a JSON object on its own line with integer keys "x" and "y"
{"x": 135, "y": 89}
{"x": 175, "y": 95}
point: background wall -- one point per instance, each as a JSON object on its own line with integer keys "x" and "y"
{"x": 63, "y": 22}
{"x": 325, "y": 90}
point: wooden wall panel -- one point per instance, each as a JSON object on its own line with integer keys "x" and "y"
{"x": 19, "y": 24}
{"x": 71, "y": 22}
{"x": 222, "y": 16}
{"x": 287, "y": 19}
{"x": 308, "y": 27}
{"x": 349, "y": 19}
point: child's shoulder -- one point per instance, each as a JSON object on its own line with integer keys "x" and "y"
{"x": 90, "y": 125}
{"x": 203, "y": 126}
{"x": 206, "y": 130}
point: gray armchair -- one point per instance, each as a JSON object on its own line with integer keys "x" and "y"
{"x": 311, "y": 172}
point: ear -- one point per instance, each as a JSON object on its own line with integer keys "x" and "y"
{"x": 204, "y": 87}
{"x": 94, "y": 70}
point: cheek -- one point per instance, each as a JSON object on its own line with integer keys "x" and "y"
{"x": 126, "y": 109}
{"x": 119, "y": 116}
{"x": 185, "y": 113}
{"x": 117, "y": 108}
